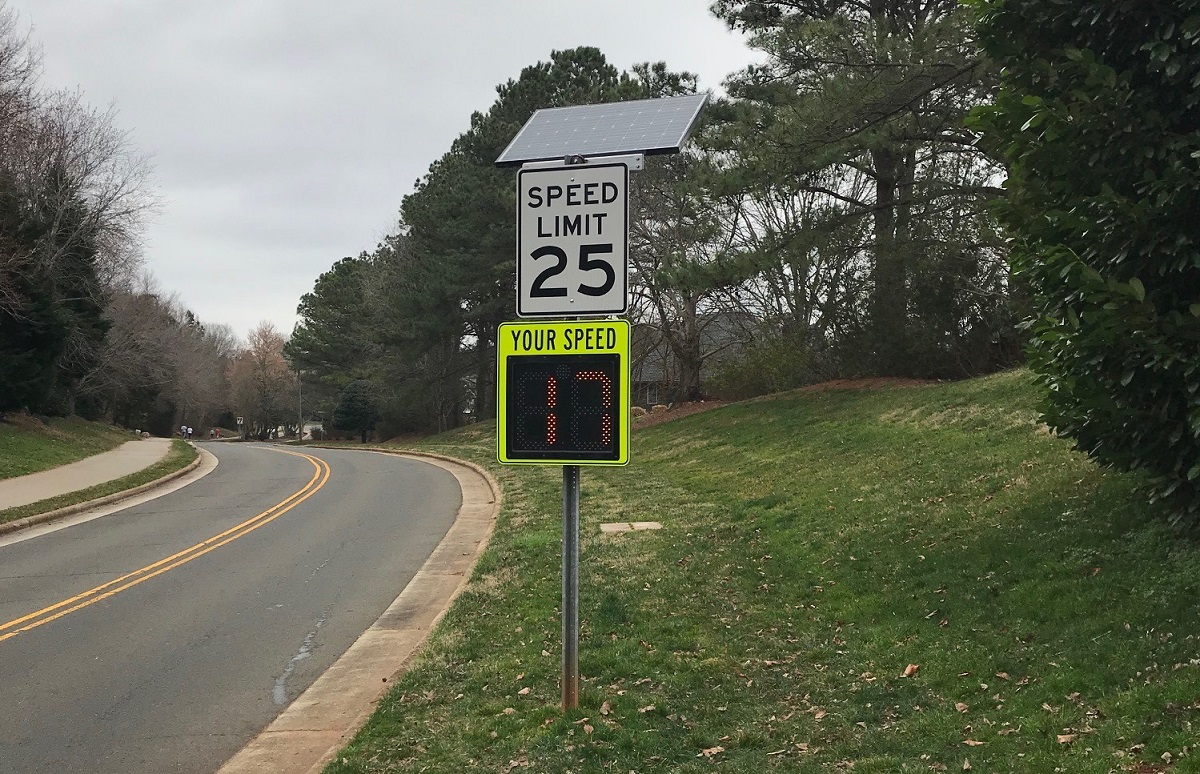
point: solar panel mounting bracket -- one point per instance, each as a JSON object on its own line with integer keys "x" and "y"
{"x": 636, "y": 162}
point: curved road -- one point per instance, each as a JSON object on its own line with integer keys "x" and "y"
{"x": 164, "y": 637}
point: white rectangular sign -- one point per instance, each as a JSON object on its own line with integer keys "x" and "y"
{"x": 573, "y": 240}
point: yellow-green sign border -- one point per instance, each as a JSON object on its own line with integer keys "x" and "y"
{"x": 505, "y": 350}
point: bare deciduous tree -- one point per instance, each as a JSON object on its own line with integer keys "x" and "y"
{"x": 263, "y": 386}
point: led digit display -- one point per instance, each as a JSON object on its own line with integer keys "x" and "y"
{"x": 563, "y": 406}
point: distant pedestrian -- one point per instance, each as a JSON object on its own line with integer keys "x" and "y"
{"x": 189, "y": 434}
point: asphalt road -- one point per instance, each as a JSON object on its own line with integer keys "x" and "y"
{"x": 164, "y": 637}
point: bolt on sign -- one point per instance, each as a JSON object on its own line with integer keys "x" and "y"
{"x": 572, "y": 238}
{"x": 564, "y": 393}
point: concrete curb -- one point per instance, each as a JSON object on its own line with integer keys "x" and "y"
{"x": 71, "y": 510}
{"x": 323, "y": 719}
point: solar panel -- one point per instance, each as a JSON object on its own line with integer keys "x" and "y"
{"x": 639, "y": 126}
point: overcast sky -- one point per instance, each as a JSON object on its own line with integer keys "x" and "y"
{"x": 284, "y": 133}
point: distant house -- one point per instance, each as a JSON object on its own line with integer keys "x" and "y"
{"x": 655, "y": 369}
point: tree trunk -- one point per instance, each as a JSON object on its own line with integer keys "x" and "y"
{"x": 484, "y": 369}
{"x": 889, "y": 298}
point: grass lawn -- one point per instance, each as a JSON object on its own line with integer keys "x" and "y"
{"x": 897, "y": 580}
{"x": 180, "y": 456}
{"x": 28, "y": 446}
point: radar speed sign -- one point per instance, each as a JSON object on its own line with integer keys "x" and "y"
{"x": 564, "y": 393}
{"x": 572, "y": 237}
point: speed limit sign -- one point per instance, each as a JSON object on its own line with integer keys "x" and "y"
{"x": 572, "y": 240}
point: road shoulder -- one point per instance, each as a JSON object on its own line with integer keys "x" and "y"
{"x": 322, "y": 720}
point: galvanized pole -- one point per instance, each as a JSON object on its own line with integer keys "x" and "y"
{"x": 570, "y": 588}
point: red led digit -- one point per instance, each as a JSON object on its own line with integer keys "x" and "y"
{"x": 551, "y": 419}
{"x": 606, "y": 400}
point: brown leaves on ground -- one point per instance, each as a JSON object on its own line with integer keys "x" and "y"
{"x": 871, "y": 383}
{"x": 677, "y": 412}
{"x": 709, "y": 752}
{"x": 1150, "y": 768}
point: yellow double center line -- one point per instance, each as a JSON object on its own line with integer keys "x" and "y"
{"x": 129, "y": 580}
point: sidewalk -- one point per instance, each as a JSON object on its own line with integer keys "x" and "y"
{"x": 126, "y": 459}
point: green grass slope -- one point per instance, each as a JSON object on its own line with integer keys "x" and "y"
{"x": 28, "y": 446}
{"x": 897, "y": 580}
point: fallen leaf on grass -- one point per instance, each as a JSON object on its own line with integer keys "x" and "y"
{"x": 524, "y": 691}
{"x": 509, "y": 711}
{"x": 605, "y": 708}
{"x": 910, "y": 670}
{"x": 961, "y": 706}
{"x": 1067, "y": 738}
{"x": 1002, "y": 675}
{"x": 966, "y": 765}
{"x": 709, "y": 752}
{"x": 587, "y": 728}
{"x": 647, "y": 708}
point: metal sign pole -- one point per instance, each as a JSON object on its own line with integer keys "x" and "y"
{"x": 570, "y": 588}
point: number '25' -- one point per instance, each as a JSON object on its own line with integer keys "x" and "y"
{"x": 586, "y": 263}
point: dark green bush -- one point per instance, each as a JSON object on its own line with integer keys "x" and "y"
{"x": 1099, "y": 118}
{"x": 358, "y": 409}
